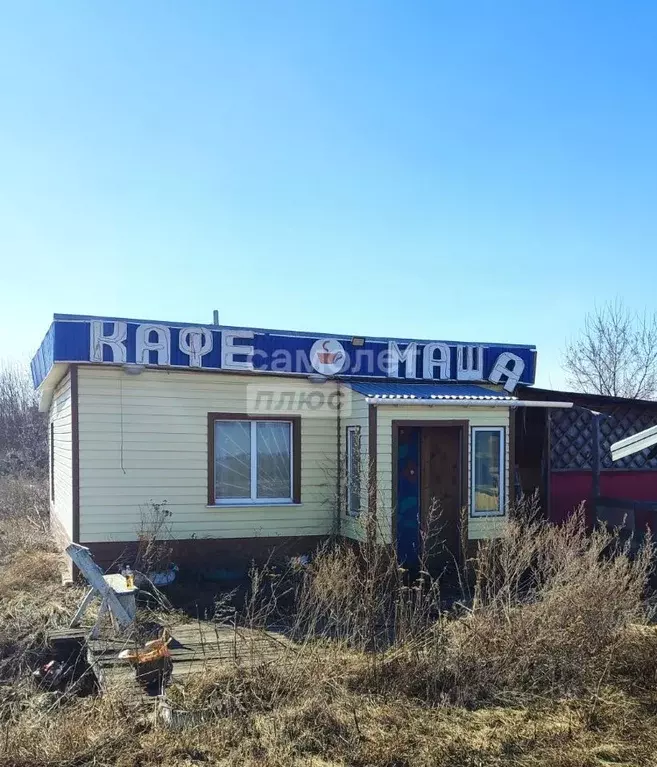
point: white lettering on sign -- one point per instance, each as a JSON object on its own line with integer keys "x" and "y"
{"x": 396, "y": 355}
{"x": 113, "y": 341}
{"x": 508, "y": 366}
{"x": 153, "y": 338}
{"x": 99, "y": 341}
{"x": 195, "y": 342}
{"x": 229, "y": 350}
{"x": 436, "y": 357}
{"x": 469, "y": 363}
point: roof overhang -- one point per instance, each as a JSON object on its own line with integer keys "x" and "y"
{"x": 47, "y": 387}
{"x": 464, "y": 402}
{"x": 444, "y": 394}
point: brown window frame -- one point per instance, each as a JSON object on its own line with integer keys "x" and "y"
{"x": 295, "y": 420}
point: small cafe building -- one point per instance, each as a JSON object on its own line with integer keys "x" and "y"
{"x": 257, "y": 439}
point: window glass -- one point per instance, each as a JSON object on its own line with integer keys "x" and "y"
{"x": 252, "y": 460}
{"x": 488, "y": 471}
{"x": 274, "y": 459}
{"x": 232, "y": 459}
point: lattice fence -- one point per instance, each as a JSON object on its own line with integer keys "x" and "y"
{"x": 571, "y": 438}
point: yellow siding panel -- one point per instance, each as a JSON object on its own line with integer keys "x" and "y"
{"x": 144, "y": 438}
{"x": 60, "y": 419}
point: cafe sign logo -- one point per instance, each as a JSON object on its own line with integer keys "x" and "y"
{"x": 327, "y": 356}
{"x": 197, "y": 347}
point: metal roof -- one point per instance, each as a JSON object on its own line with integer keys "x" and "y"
{"x": 446, "y": 391}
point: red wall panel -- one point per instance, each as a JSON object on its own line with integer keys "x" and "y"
{"x": 569, "y": 488}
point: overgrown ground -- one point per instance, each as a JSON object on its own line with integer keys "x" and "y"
{"x": 550, "y": 660}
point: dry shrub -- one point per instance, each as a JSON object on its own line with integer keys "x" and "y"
{"x": 554, "y": 608}
{"x": 32, "y": 599}
{"x": 45, "y": 733}
{"x": 550, "y": 661}
{"x": 237, "y": 690}
{"x": 551, "y": 611}
{"x": 23, "y": 429}
{"x": 345, "y": 595}
{"x": 27, "y": 612}
{"x": 153, "y": 537}
{"x": 24, "y": 521}
{"x": 27, "y": 572}
{"x": 353, "y": 593}
{"x": 555, "y": 612}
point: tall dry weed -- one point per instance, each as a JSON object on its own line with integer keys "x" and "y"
{"x": 548, "y": 657}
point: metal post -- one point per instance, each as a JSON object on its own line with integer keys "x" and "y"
{"x": 595, "y": 454}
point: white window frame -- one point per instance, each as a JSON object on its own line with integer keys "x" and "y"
{"x": 501, "y": 430}
{"x": 351, "y": 465}
{"x": 253, "y": 500}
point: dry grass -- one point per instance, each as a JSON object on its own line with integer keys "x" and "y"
{"x": 552, "y": 661}
{"x": 32, "y": 599}
{"x": 331, "y": 726}
{"x": 23, "y": 516}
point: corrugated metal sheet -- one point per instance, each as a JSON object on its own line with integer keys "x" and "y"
{"x": 399, "y": 390}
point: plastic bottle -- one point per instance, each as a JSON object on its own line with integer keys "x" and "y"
{"x": 129, "y": 577}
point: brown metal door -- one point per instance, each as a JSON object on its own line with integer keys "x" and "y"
{"x": 441, "y": 475}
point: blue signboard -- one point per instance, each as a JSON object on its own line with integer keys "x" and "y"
{"x": 106, "y": 341}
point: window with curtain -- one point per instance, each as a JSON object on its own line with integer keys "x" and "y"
{"x": 253, "y": 461}
{"x": 488, "y": 471}
{"x": 353, "y": 470}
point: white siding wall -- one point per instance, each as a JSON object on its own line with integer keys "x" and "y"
{"x": 60, "y": 421}
{"x": 356, "y": 414}
{"x": 145, "y": 438}
{"x": 480, "y": 527}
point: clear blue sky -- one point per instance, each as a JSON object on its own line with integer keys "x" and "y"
{"x": 476, "y": 170}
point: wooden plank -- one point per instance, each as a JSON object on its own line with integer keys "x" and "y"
{"x": 81, "y": 556}
{"x": 66, "y": 633}
{"x": 195, "y": 648}
{"x": 75, "y": 620}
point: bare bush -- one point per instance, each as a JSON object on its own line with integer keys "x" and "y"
{"x": 154, "y": 537}
{"x": 615, "y": 354}
{"x": 23, "y": 438}
{"x": 24, "y": 510}
{"x": 31, "y": 599}
{"x": 555, "y": 612}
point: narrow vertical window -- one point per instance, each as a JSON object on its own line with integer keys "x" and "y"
{"x": 353, "y": 470}
{"x": 52, "y": 461}
{"x": 488, "y": 471}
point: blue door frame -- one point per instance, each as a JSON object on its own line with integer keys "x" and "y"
{"x": 408, "y": 494}
{"x": 408, "y": 483}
